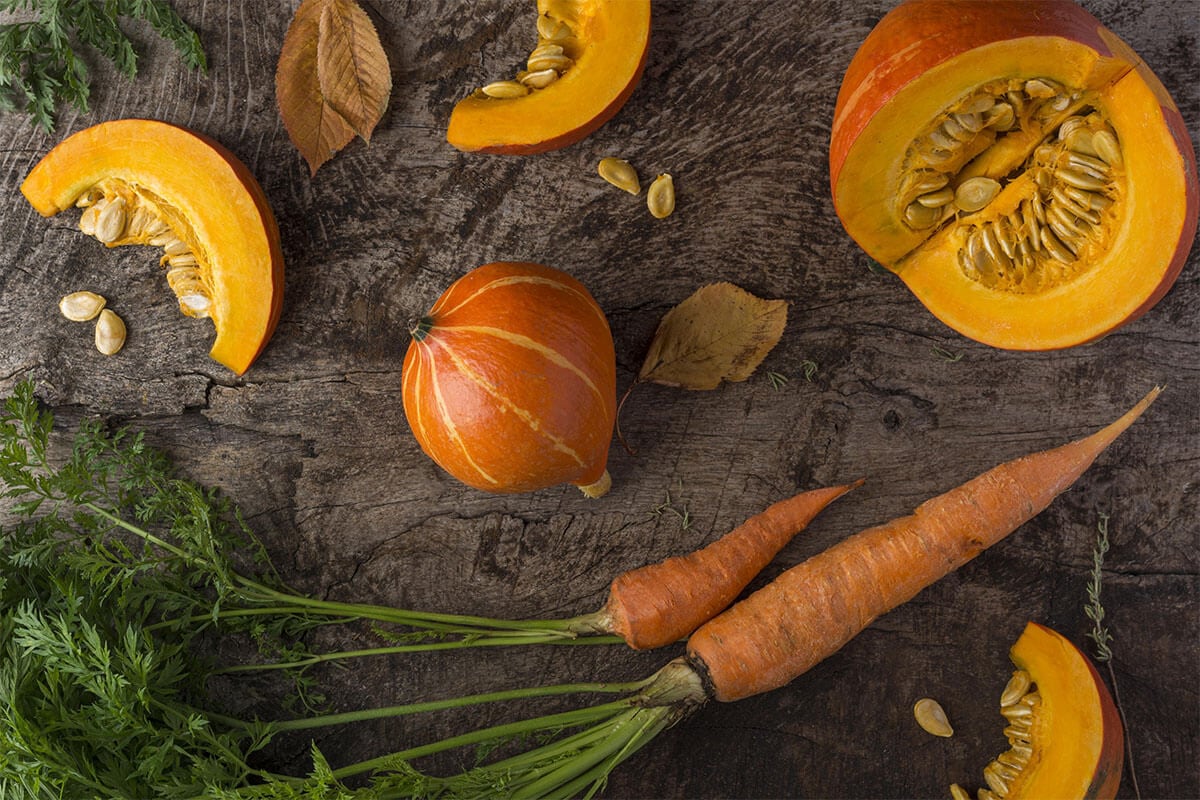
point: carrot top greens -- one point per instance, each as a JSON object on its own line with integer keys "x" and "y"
{"x": 116, "y": 574}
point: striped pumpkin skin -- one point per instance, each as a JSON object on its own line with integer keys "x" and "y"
{"x": 510, "y": 381}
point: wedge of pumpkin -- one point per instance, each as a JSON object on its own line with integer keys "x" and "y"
{"x": 1064, "y": 731}
{"x": 588, "y": 60}
{"x": 1017, "y": 165}
{"x": 152, "y": 183}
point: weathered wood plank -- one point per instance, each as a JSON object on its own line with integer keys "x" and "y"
{"x": 736, "y": 102}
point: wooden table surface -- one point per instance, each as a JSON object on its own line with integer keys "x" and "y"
{"x": 736, "y": 103}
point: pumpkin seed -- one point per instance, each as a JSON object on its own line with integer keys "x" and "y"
{"x": 1041, "y": 88}
{"x": 660, "y": 197}
{"x": 1022, "y": 751}
{"x": 539, "y": 80}
{"x": 932, "y": 717}
{"x": 505, "y": 90}
{"x": 546, "y": 50}
{"x": 1056, "y": 248}
{"x": 176, "y": 247}
{"x": 972, "y": 122}
{"x": 1106, "y": 147}
{"x": 944, "y": 140}
{"x": 919, "y": 216}
{"x": 995, "y": 780}
{"x": 1001, "y": 117}
{"x": 551, "y": 29}
{"x": 958, "y": 793}
{"x": 1016, "y": 688}
{"x": 559, "y": 63}
{"x": 937, "y": 199}
{"x": 975, "y": 193}
{"x": 1031, "y": 225}
{"x": 81, "y": 306}
{"x": 620, "y": 173}
{"x": 110, "y": 332}
{"x": 1016, "y": 711}
{"x": 182, "y": 260}
{"x": 979, "y": 104}
{"x": 110, "y": 222}
{"x": 1012, "y": 760}
{"x": 87, "y": 220}
{"x": 1079, "y": 180}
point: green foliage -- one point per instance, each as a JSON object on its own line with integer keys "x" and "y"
{"x": 1094, "y": 609}
{"x": 40, "y": 60}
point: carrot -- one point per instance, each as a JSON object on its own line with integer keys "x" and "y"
{"x": 657, "y": 604}
{"x": 808, "y": 612}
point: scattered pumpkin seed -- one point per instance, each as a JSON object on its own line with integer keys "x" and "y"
{"x": 110, "y": 332}
{"x": 958, "y": 793}
{"x": 660, "y": 197}
{"x": 620, "y": 173}
{"x": 932, "y": 717}
{"x": 81, "y": 306}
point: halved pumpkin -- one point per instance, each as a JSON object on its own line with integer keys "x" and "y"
{"x": 1018, "y": 166}
{"x": 149, "y": 182}
{"x": 589, "y": 58}
{"x": 1064, "y": 729}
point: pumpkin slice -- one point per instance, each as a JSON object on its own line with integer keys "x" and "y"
{"x": 152, "y": 183}
{"x": 1064, "y": 729}
{"x": 1018, "y": 166}
{"x": 589, "y": 58}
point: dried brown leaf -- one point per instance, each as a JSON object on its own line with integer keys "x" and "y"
{"x": 721, "y": 332}
{"x": 332, "y": 80}
{"x": 352, "y": 67}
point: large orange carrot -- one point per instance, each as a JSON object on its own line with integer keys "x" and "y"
{"x": 811, "y": 610}
{"x": 662, "y": 603}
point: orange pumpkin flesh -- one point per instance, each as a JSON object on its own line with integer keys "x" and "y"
{"x": 926, "y": 62}
{"x": 207, "y": 199}
{"x": 607, "y": 45}
{"x": 510, "y": 381}
{"x": 1071, "y": 742}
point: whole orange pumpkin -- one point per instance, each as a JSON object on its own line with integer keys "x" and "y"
{"x": 510, "y": 381}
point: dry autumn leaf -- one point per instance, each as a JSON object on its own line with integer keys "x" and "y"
{"x": 721, "y": 332}
{"x": 333, "y": 81}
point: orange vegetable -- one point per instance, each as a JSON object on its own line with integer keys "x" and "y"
{"x": 1017, "y": 165}
{"x": 510, "y": 381}
{"x": 589, "y": 59}
{"x": 810, "y": 611}
{"x": 169, "y": 187}
{"x": 661, "y": 603}
{"x": 1064, "y": 731}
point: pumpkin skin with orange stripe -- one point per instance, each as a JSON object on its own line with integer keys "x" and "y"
{"x": 510, "y": 381}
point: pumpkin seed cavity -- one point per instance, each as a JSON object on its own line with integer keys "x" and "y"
{"x": 545, "y": 64}
{"x": 117, "y": 213}
{"x": 1019, "y": 704}
{"x": 1026, "y": 175}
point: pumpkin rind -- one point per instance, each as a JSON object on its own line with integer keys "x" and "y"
{"x": 510, "y": 381}
{"x": 609, "y": 47}
{"x": 204, "y": 188}
{"x": 923, "y": 55}
{"x": 1078, "y": 740}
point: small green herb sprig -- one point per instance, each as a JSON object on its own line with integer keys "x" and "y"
{"x": 42, "y": 60}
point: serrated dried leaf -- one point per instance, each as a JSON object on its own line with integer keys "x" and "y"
{"x": 721, "y": 332}
{"x": 332, "y": 80}
{"x": 352, "y": 67}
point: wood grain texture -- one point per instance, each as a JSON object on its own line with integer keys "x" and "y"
{"x": 736, "y": 103}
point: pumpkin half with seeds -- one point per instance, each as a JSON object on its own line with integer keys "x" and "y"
{"x": 588, "y": 60}
{"x": 1017, "y": 165}
{"x": 151, "y": 183}
{"x": 1064, "y": 731}
{"x": 510, "y": 381}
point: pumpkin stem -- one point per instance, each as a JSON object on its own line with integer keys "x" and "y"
{"x": 419, "y": 327}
